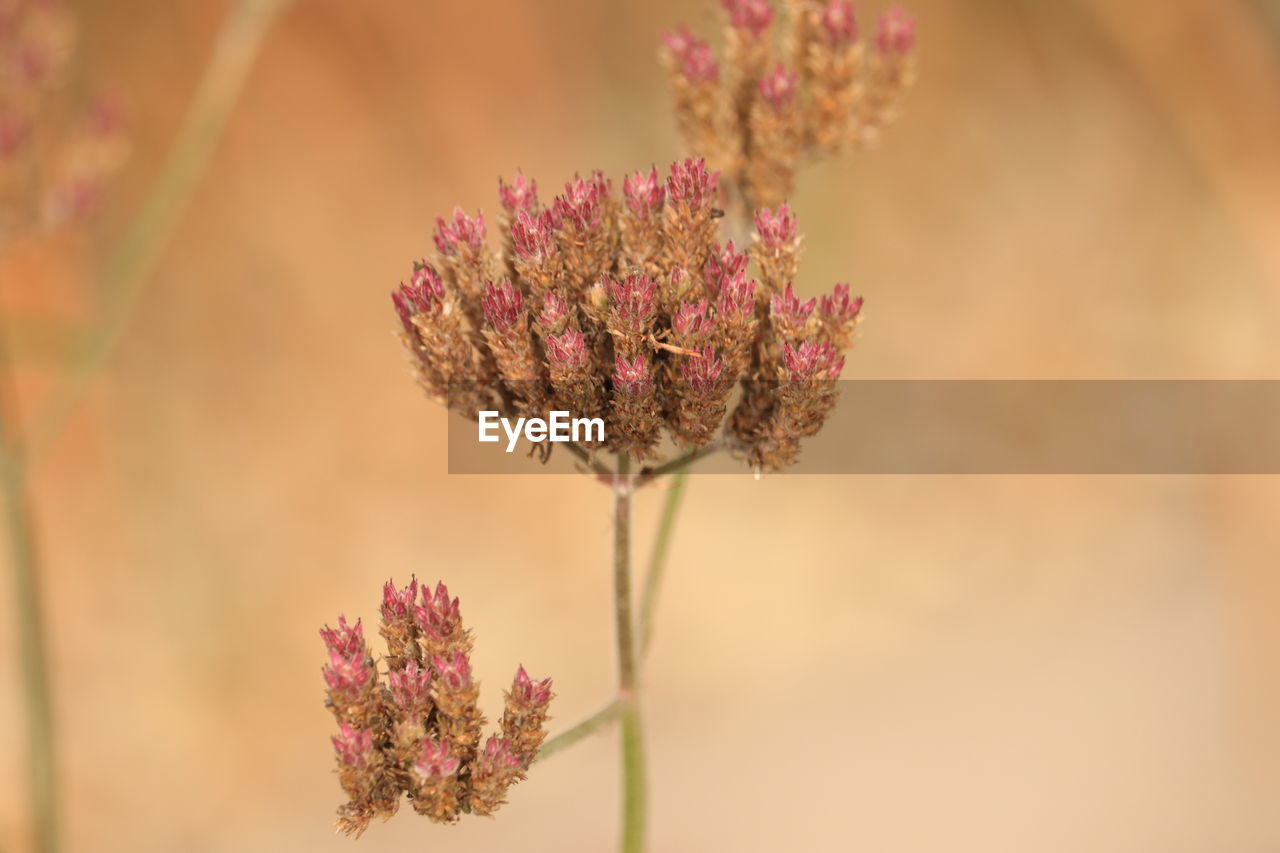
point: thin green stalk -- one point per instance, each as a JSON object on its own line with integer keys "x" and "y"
{"x": 658, "y": 559}
{"x": 567, "y": 738}
{"x": 633, "y": 764}
{"x": 24, "y": 563}
{"x": 130, "y": 267}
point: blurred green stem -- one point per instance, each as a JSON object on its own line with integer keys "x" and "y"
{"x": 28, "y": 617}
{"x": 123, "y": 282}
{"x": 658, "y": 560}
{"x": 129, "y": 268}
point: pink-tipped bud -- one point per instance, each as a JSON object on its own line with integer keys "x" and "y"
{"x": 632, "y": 376}
{"x": 454, "y": 673}
{"x": 422, "y": 295}
{"x": 502, "y": 305}
{"x": 644, "y": 193}
{"x": 534, "y": 235}
{"x": 632, "y": 299}
{"x": 788, "y": 308}
{"x": 520, "y": 194}
{"x": 691, "y": 321}
{"x": 410, "y": 686}
{"x": 839, "y": 23}
{"x": 812, "y": 360}
{"x": 896, "y": 32}
{"x": 776, "y": 230}
{"x": 354, "y": 746}
{"x": 568, "y": 350}
{"x": 580, "y": 204}
{"x": 724, "y": 263}
{"x": 702, "y": 373}
{"x": 692, "y": 183}
{"x": 15, "y": 129}
{"x": 737, "y": 296}
{"x": 697, "y": 60}
{"x": 345, "y": 640}
{"x": 754, "y": 16}
{"x": 438, "y": 615}
{"x": 530, "y": 693}
{"x": 554, "y": 314}
{"x": 838, "y": 305}
{"x": 398, "y": 604}
{"x": 778, "y": 87}
{"x": 435, "y": 761}
{"x": 497, "y": 757}
{"x": 463, "y": 231}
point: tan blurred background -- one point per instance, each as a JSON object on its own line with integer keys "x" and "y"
{"x": 1078, "y": 189}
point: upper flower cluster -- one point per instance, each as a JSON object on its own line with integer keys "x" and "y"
{"x": 760, "y": 112}
{"x": 419, "y": 733}
{"x": 629, "y": 309}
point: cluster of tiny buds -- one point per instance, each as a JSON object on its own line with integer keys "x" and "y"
{"x": 630, "y": 310}
{"x": 814, "y": 91}
{"x": 414, "y": 728}
{"x": 39, "y": 186}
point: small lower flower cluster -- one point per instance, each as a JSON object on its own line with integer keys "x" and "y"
{"x": 767, "y": 106}
{"x": 630, "y": 310}
{"x": 418, "y": 733}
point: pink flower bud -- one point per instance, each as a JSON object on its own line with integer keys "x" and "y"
{"x": 787, "y": 307}
{"x": 502, "y": 305}
{"x": 812, "y": 360}
{"x": 692, "y": 183}
{"x": 463, "y": 231}
{"x": 568, "y": 350}
{"x": 737, "y": 296}
{"x": 521, "y": 194}
{"x": 691, "y": 321}
{"x": 555, "y": 312}
{"x": 354, "y": 746}
{"x": 896, "y": 32}
{"x": 438, "y": 615}
{"x": 750, "y": 15}
{"x": 580, "y": 204}
{"x": 14, "y": 131}
{"x": 422, "y": 295}
{"x": 776, "y": 230}
{"x": 632, "y": 300}
{"x": 455, "y": 673}
{"x": 497, "y": 757}
{"x": 534, "y": 235}
{"x": 410, "y": 686}
{"x": 398, "y": 604}
{"x": 724, "y": 263}
{"x": 435, "y": 762}
{"x": 632, "y": 377}
{"x": 697, "y": 60}
{"x": 839, "y": 23}
{"x": 644, "y": 193}
{"x": 345, "y": 640}
{"x": 838, "y": 305}
{"x": 702, "y": 373}
{"x": 530, "y": 693}
{"x": 778, "y": 87}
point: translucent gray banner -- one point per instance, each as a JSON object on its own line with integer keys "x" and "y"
{"x": 990, "y": 427}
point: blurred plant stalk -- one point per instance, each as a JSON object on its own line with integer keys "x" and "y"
{"x": 124, "y": 280}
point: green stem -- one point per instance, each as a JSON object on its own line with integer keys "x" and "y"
{"x": 19, "y": 528}
{"x": 130, "y": 267}
{"x": 633, "y": 764}
{"x": 567, "y": 738}
{"x": 658, "y": 560}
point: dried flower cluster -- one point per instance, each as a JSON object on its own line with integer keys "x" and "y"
{"x": 813, "y": 90}
{"x": 47, "y": 184}
{"x": 629, "y": 309}
{"x": 418, "y": 731}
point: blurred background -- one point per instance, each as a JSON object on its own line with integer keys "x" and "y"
{"x": 1078, "y": 189}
